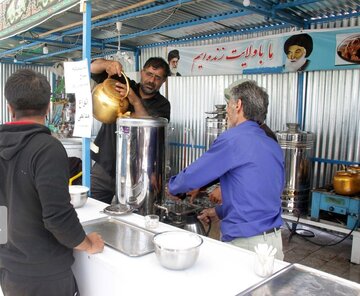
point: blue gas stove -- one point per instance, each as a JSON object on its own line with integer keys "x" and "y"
{"x": 327, "y": 201}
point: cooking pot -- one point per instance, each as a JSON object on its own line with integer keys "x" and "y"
{"x": 107, "y": 102}
{"x": 346, "y": 183}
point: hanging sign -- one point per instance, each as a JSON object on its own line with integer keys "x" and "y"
{"x": 19, "y": 16}
{"x": 77, "y": 81}
{"x": 296, "y": 51}
{"x": 229, "y": 58}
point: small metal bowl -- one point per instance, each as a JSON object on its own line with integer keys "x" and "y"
{"x": 220, "y": 107}
{"x": 177, "y": 250}
{"x": 79, "y": 195}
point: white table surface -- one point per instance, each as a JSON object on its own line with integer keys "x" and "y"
{"x": 221, "y": 269}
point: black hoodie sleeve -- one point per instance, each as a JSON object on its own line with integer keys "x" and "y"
{"x": 51, "y": 175}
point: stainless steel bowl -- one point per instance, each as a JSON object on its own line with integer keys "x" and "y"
{"x": 177, "y": 249}
{"x": 79, "y": 195}
{"x": 220, "y": 107}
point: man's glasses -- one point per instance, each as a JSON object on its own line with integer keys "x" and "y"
{"x": 152, "y": 75}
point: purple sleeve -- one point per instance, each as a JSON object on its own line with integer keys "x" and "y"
{"x": 210, "y": 166}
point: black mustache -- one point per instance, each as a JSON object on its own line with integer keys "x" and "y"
{"x": 150, "y": 84}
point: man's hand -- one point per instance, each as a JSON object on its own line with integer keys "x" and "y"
{"x": 193, "y": 194}
{"x": 215, "y": 196}
{"x": 208, "y": 215}
{"x": 133, "y": 99}
{"x": 122, "y": 89}
{"x": 101, "y": 65}
{"x": 93, "y": 243}
{"x": 113, "y": 67}
{"x": 170, "y": 196}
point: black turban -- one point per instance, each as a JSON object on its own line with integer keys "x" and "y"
{"x": 173, "y": 54}
{"x": 303, "y": 40}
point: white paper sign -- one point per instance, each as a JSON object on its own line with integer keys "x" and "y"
{"x": 77, "y": 81}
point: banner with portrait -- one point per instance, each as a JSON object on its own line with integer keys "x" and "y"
{"x": 306, "y": 50}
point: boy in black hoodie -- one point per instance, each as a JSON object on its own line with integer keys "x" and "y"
{"x": 43, "y": 227}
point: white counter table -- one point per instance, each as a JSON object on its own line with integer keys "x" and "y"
{"x": 221, "y": 269}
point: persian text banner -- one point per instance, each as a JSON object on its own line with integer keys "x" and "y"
{"x": 297, "y": 51}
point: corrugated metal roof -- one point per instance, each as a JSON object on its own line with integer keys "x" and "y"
{"x": 157, "y": 23}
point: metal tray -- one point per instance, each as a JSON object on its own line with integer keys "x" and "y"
{"x": 297, "y": 279}
{"x": 127, "y": 238}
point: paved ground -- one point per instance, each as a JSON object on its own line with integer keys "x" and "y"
{"x": 332, "y": 259}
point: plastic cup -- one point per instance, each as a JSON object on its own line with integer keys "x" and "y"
{"x": 151, "y": 221}
{"x": 263, "y": 265}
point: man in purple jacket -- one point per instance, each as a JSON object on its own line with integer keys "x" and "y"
{"x": 250, "y": 166}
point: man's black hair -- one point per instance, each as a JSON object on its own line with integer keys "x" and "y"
{"x": 28, "y": 93}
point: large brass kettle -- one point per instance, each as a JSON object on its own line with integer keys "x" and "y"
{"x": 347, "y": 182}
{"x": 107, "y": 103}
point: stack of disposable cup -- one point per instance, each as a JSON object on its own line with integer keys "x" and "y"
{"x": 264, "y": 260}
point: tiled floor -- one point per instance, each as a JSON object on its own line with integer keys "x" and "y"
{"x": 332, "y": 259}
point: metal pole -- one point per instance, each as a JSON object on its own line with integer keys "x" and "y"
{"x": 85, "y": 8}
{"x": 300, "y": 95}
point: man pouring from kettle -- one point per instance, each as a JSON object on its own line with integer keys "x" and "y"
{"x": 145, "y": 100}
{"x": 250, "y": 166}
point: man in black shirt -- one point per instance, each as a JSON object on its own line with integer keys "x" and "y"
{"x": 145, "y": 100}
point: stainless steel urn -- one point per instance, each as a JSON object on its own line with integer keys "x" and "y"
{"x": 298, "y": 149}
{"x": 215, "y": 125}
{"x": 140, "y": 162}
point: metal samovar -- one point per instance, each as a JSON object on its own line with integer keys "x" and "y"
{"x": 215, "y": 125}
{"x": 298, "y": 149}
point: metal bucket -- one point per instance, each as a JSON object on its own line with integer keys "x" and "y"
{"x": 140, "y": 162}
{"x": 298, "y": 149}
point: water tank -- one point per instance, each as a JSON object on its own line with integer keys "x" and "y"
{"x": 298, "y": 149}
{"x": 215, "y": 125}
{"x": 140, "y": 163}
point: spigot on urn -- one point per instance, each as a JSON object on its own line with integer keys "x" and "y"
{"x": 162, "y": 208}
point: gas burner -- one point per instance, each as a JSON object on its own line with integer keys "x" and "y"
{"x": 202, "y": 200}
{"x": 178, "y": 212}
{"x": 183, "y": 214}
{"x": 346, "y": 208}
{"x": 331, "y": 191}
